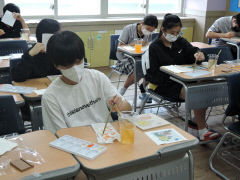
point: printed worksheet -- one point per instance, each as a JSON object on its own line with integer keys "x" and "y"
{"x": 148, "y": 121}
{"x": 78, "y": 147}
{"x": 165, "y": 136}
{"x": 109, "y": 136}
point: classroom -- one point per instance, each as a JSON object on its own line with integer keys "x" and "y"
{"x": 120, "y": 90}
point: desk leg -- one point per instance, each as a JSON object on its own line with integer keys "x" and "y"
{"x": 191, "y": 165}
{"x": 36, "y": 115}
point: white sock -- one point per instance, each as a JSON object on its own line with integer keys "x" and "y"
{"x": 122, "y": 91}
{"x": 202, "y": 132}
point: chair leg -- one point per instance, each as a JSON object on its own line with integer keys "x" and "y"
{"x": 110, "y": 75}
{"x": 119, "y": 79}
{"x": 143, "y": 104}
{"x": 213, "y": 155}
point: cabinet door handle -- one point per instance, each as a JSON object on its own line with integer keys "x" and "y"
{"x": 89, "y": 43}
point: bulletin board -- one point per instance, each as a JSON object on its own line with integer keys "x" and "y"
{"x": 235, "y": 5}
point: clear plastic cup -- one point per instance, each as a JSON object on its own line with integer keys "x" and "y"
{"x": 127, "y": 128}
{"x": 25, "y": 33}
{"x": 212, "y": 62}
{"x": 138, "y": 45}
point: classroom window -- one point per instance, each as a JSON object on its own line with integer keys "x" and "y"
{"x": 164, "y": 6}
{"x": 34, "y": 8}
{"x": 125, "y": 6}
{"x": 96, "y": 8}
{"x": 79, "y": 7}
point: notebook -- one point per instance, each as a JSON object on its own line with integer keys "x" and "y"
{"x": 78, "y": 147}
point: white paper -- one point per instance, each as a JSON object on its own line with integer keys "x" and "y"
{"x": 148, "y": 121}
{"x": 4, "y": 57}
{"x": 40, "y": 91}
{"x": 197, "y": 73}
{"x": 109, "y": 136}
{"x": 8, "y": 18}
{"x": 45, "y": 38}
{"x": 165, "y": 136}
{"x": 6, "y": 145}
{"x": 178, "y": 69}
{"x": 16, "y": 56}
{"x": 78, "y": 147}
{"x": 16, "y": 89}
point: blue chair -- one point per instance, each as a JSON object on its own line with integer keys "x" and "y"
{"x": 13, "y": 63}
{"x": 10, "y": 120}
{"x": 233, "y": 129}
{"x": 113, "y": 58}
{"x": 13, "y": 46}
{"x": 225, "y": 55}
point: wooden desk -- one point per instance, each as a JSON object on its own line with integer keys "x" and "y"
{"x": 130, "y": 50}
{"x": 17, "y": 97}
{"x": 4, "y": 64}
{"x": 120, "y": 156}
{"x": 39, "y": 83}
{"x": 57, "y": 164}
{"x": 201, "y": 45}
{"x": 221, "y": 71}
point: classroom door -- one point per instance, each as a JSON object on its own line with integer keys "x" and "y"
{"x": 100, "y": 48}
{"x": 86, "y": 38}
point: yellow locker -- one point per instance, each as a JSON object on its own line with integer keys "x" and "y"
{"x": 188, "y": 33}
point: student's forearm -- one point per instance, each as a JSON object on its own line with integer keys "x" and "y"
{"x": 24, "y": 25}
{"x": 211, "y": 34}
{"x": 125, "y": 106}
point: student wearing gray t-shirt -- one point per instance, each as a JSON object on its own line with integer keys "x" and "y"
{"x": 224, "y": 27}
{"x": 130, "y": 32}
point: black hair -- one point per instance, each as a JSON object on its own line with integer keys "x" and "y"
{"x": 65, "y": 48}
{"x": 151, "y": 20}
{"x": 170, "y": 21}
{"x": 11, "y": 7}
{"x": 237, "y": 17}
{"x": 50, "y": 26}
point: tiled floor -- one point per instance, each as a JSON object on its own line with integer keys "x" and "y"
{"x": 202, "y": 152}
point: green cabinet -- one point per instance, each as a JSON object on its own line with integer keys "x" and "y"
{"x": 97, "y": 47}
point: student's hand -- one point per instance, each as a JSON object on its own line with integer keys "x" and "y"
{"x": 199, "y": 56}
{"x": 118, "y": 100}
{"x": 39, "y": 47}
{"x": 229, "y": 34}
{"x": 17, "y": 16}
{"x": 2, "y": 32}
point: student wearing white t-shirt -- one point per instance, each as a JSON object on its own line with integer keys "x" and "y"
{"x": 80, "y": 96}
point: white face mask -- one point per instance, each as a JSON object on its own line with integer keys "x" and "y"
{"x": 170, "y": 37}
{"x": 74, "y": 73}
{"x": 145, "y": 32}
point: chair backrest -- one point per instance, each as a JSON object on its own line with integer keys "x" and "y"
{"x": 225, "y": 55}
{"x": 154, "y": 36}
{"x": 13, "y": 63}
{"x": 10, "y": 121}
{"x": 113, "y": 46}
{"x": 233, "y": 94}
{"x": 13, "y": 46}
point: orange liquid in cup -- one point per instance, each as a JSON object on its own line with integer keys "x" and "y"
{"x": 126, "y": 132}
{"x": 138, "y": 48}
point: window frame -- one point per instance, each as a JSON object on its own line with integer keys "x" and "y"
{"x": 103, "y": 13}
